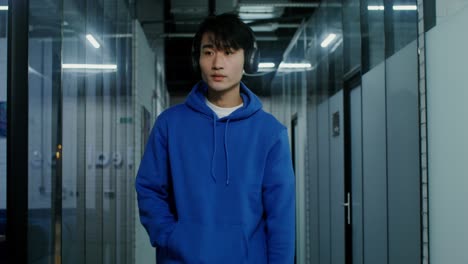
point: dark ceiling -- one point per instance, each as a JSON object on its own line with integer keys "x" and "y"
{"x": 274, "y": 24}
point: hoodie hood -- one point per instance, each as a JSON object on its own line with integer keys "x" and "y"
{"x": 196, "y": 101}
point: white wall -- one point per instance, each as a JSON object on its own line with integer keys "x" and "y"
{"x": 447, "y": 94}
{"x": 144, "y": 84}
{"x": 150, "y": 93}
{"x": 289, "y": 98}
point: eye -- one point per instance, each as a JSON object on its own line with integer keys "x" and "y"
{"x": 207, "y": 52}
{"x": 228, "y": 52}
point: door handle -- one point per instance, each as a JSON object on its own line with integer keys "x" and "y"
{"x": 347, "y": 204}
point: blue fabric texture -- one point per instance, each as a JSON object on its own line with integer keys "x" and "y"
{"x": 218, "y": 190}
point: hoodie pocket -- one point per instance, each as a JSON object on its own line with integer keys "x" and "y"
{"x": 196, "y": 243}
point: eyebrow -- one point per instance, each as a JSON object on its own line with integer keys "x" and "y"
{"x": 207, "y": 46}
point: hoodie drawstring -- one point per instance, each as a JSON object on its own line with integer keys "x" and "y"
{"x": 226, "y": 152}
{"x": 214, "y": 151}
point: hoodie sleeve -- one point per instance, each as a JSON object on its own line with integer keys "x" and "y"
{"x": 153, "y": 187}
{"x": 279, "y": 202}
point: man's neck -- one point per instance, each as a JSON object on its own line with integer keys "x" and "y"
{"x": 228, "y": 98}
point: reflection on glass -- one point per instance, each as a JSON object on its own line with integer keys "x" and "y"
{"x": 93, "y": 41}
{"x": 3, "y": 124}
{"x": 44, "y": 116}
{"x": 328, "y": 40}
{"x": 373, "y": 35}
{"x": 97, "y": 133}
{"x": 335, "y": 49}
{"x": 404, "y": 16}
{"x": 80, "y": 132}
{"x": 351, "y": 35}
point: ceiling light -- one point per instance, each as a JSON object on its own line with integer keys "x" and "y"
{"x": 253, "y": 16}
{"x": 3, "y": 8}
{"x": 256, "y": 9}
{"x": 266, "y": 66}
{"x": 328, "y": 40}
{"x": 265, "y": 28}
{"x": 303, "y": 66}
{"x": 292, "y": 5}
{"x": 263, "y": 65}
{"x": 90, "y": 66}
{"x": 93, "y": 41}
{"x": 376, "y": 8}
{"x": 405, "y": 7}
{"x": 395, "y": 7}
{"x": 337, "y": 44}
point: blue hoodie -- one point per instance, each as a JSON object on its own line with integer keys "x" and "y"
{"x": 218, "y": 190}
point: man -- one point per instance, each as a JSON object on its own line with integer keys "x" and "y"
{"x": 216, "y": 184}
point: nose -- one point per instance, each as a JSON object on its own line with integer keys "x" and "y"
{"x": 218, "y": 61}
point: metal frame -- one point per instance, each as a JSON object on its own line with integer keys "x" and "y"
{"x": 425, "y": 21}
{"x": 17, "y": 131}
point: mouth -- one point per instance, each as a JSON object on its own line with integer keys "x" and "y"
{"x": 218, "y": 77}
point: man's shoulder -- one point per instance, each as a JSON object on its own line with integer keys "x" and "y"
{"x": 173, "y": 111}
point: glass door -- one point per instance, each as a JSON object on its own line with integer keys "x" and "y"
{"x": 44, "y": 132}
{"x": 3, "y": 123}
{"x": 70, "y": 133}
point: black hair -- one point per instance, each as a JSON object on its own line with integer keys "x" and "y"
{"x": 229, "y": 32}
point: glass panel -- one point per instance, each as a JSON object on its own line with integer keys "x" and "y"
{"x": 351, "y": 34}
{"x": 73, "y": 47}
{"x": 81, "y": 195}
{"x": 3, "y": 120}
{"x": 335, "y": 48}
{"x": 404, "y": 17}
{"x": 98, "y": 133}
{"x": 323, "y": 62}
{"x": 44, "y": 134}
{"x": 373, "y": 36}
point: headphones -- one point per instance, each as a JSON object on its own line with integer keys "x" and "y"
{"x": 251, "y": 56}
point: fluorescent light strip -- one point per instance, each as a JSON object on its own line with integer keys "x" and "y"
{"x": 395, "y": 7}
{"x": 264, "y": 65}
{"x": 256, "y": 9}
{"x": 90, "y": 66}
{"x": 328, "y": 40}
{"x": 93, "y": 41}
{"x": 376, "y": 8}
{"x": 285, "y": 65}
{"x": 337, "y": 44}
{"x": 3, "y": 8}
{"x": 405, "y": 7}
{"x": 248, "y": 16}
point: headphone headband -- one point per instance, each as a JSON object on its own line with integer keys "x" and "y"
{"x": 251, "y": 55}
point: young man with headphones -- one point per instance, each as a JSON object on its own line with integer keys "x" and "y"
{"x": 216, "y": 183}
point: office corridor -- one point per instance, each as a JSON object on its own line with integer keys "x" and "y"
{"x": 372, "y": 92}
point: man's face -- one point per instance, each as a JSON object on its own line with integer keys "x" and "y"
{"x": 220, "y": 69}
